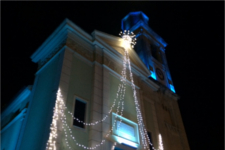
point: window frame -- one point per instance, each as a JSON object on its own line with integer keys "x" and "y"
{"x": 128, "y": 122}
{"x": 150, "y": 137}
{"x": 86, "y": 111}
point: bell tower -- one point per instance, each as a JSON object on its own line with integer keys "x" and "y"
{"x": 150, "y": 47}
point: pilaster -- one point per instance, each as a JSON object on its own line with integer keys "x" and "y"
{"x": 95, "y": 132}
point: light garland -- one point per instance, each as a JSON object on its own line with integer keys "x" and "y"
{"x": 139, "y": 116}
{"x": 123, "y": 79}
{"x": 96, "y": 122}
{"x": 102, "y": 142}
{"x": 65, "y": 125}
{"x": 160, "y": 143}
{"x": 149, "y": 141}
{"x": 51, "y": 144}
{"x": 129, "y": 40}
{"x": 120, "y": 94}
{"x": 113, "y": 146}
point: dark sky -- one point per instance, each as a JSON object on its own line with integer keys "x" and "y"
{"x": 194, "y": 32}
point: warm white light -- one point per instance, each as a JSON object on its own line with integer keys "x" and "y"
{"x": 128, "y": 39}
{"x": 56, "y": 112}
{"x": 126, "y": 44}
{"x": 160, "y": 142}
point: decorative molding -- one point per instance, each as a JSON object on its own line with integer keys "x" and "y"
{"x": 80, "y": 49}
{"x": 81, "y": 57}
{"x": 65, "y": 29}
{"x": 44, "y": 60}
{"x": 53, "y": 56}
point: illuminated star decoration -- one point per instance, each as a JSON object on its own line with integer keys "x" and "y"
{"x": 128, "y": 37}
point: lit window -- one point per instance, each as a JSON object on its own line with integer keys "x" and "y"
{"x": 125, "y": 132}
{"x": 79, "y": 112}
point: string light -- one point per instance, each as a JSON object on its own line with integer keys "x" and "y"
{"x": 160, "y": 143}
{"x": 129, "y": 40}
{"x": 113, "y": 146}
{"x": 66, "y": 127}
{"x": 123, "y": 79}
{"x": 51, "y": 144}
{"x": 96, "y": 122}
{"x": 120, "y": 94}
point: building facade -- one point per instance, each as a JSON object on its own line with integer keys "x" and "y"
{"x": 84, "y": 75}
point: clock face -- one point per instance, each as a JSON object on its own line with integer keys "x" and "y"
{"x": 159, "y": 74}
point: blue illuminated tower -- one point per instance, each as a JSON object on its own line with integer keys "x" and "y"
{"x": 150, "y": 47}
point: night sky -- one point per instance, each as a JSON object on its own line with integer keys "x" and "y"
{"x": 194, "y": 32}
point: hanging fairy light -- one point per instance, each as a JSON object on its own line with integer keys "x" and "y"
{"x": 113, "y": 146}
{"x": 129, "y": 41}
{"x": 67, "y": 129}
{"x": 123, "y": 79}
{"x": 160, "y": 143}
{"x": 59, "y": 106}
{"x": 120, "y": 94}
{"x": 99, "y": 121}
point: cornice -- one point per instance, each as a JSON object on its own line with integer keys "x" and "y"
{"x": 50, "y": 58}
{"x": 68, "y": 30}
{"x": 50, "y": 42}
{"x": 58, "y": 36}
{"x": 97, "y": 33}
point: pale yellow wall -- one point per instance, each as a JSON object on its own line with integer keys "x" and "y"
{"x": 154, "y": 104}
{"x": 129, "y": 105}
{"x": 80, "y": 85}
